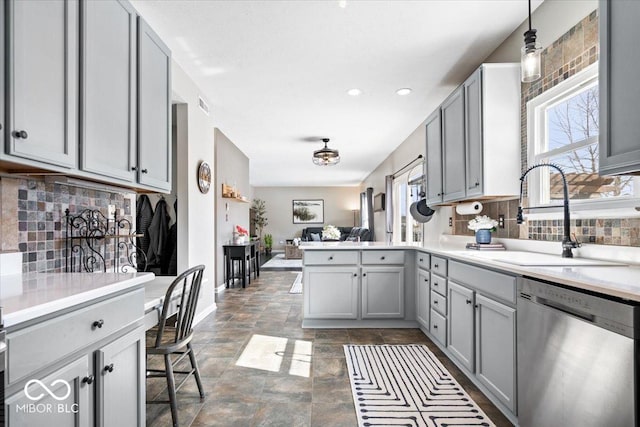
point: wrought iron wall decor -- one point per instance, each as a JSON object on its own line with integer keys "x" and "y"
{"x": 95, "y": 242}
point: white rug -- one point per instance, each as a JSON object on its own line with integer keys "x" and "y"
{"x": 407, "y": 385}
{"x": 279, "y": 263}
{"x": 296, "y": 288}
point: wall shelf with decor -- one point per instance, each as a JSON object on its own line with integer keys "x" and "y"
{"x": 229, "y": 192}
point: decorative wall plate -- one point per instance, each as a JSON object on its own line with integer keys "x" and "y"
{"x": 204, "y": 177}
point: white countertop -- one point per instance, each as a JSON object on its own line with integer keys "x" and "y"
{"x": 26, "y": 296}
{"x": 611, "y": 278}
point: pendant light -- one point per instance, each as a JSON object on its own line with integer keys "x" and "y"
{"x": 530, "y": 61}
{"x": 326, "y": 156}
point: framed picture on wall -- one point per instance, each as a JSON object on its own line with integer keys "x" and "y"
{"x": 308, "y": 211}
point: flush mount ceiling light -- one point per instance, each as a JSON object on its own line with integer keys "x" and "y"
{"x": 530, "y": 55}
{"x": 404, "y": 91}
{"x": 354, "y": 92}
{"x": 326, "y": 156}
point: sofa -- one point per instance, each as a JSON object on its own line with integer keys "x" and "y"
{"x": 311, "y": 234}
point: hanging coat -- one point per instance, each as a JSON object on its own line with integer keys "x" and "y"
{"x": 158, "y": 234}
{"x": 144, "y": 215}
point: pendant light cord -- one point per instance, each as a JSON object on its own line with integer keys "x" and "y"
{"x": 529, "y": 15}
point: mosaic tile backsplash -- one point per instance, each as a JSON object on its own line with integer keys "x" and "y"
{"x": 41, "y": 220}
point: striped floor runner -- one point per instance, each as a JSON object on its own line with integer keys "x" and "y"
{"x": 407, "y": 385}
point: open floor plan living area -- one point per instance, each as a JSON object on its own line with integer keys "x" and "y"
{"x": 319, "y": 213}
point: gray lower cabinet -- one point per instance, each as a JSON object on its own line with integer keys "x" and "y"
{"x": 81, "y": 367}
{"x": 460, "y": 329}
{"x": 383, "y": 292}
{"x": 64, "y": 402}
{"x": 331, "y": 292}
{"x": 619, "y": 91}
{"x": 42, "y": 82}
{"x": 453, "y": 146}
{"x": 434, "y": 158}
{"x": 154, "y": 109}
{"x": 496, "y": 349}
{"x": 422, "y": 298}
{"x": 120, "y": 385}
{"x": 108, "y": 90}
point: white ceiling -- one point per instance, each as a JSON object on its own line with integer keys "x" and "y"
{"x": 276, "y": 73}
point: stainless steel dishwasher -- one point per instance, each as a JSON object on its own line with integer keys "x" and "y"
{"x": 577, "y": 358}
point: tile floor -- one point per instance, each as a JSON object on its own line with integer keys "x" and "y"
{"x": 313, "y": 394}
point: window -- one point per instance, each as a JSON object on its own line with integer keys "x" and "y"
{"x": 406, "y": 190}
{"x": 563, "y": 128}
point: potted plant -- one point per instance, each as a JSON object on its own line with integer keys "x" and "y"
{"x": 268, "y": 243}
{"x": 260, "y": 220}
{"x": 483, "y": 226}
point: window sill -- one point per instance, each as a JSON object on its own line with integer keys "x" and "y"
{"x": 629, "y": 208}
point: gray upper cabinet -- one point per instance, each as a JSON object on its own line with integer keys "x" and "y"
{"x": 434, "y": 158}
{"x": 478, "y": 154}
{"x": 42, "y": 77}
{"x": 3, "y": 124}
{"x": 473, "y": 120}
{"x": 453, "y": 141}
{"x": 619, "y": 90}
{"x": 154, "y": 109}
{"x": 108, "y": 89}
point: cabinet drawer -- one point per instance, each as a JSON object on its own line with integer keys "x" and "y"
{"x": 37, "y": 346}
{"x": 488, "y": 282}
{"x": 383, "y": 257}
{"x": 438, "y": 327}
{"x": 439, "y": 265}
{"x": 330, "y": 257}
{"x": 439, "y": 284}
{"x": 423, "y": 260}
{"x": 439, "y": 303}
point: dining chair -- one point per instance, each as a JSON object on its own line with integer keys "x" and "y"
{"x": 173, "y": 334}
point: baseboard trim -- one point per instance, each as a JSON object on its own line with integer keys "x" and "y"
{"x": 204, "y": 313}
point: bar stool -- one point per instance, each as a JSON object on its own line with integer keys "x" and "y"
{"x": 173, "y": 335}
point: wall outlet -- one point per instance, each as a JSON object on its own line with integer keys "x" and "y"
{"x": 111, "y": 211}
{"x": 450, "y": 221}
{"x": 501, "y": 221}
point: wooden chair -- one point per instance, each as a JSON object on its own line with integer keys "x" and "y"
{"x": 174, "y": 332}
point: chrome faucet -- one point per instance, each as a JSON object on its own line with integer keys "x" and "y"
{"x": 567, "y": 243}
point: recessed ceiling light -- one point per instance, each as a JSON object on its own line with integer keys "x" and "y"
{"x": 404, "y": 91}
{"x": 354, "y": 92}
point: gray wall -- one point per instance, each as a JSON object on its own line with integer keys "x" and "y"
{"x": 339, "y": 203}
{"x": 232, "y": 168}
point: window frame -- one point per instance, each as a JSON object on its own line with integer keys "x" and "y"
{"x": 399, "y": 182}
{"x": 537, "y": 179}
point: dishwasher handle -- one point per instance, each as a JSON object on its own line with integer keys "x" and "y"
{"x": 565, "y": 309}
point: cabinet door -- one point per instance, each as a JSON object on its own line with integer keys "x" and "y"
{"x": 331, "y": 292}
{"x": 108, "y": 89}
{"x": 460, "y": 332}
{"x": 120, "y": 389}
{"x": 60, "y": 399}
{"x": 473, "y": 128}
{"x": 496, "y": 349}
{"x": 43, "y": 81}
{"x": 422, "y": 297}
{"x": 453, "y": 146}
{"x": 383, "y": 293}
{"x": 434, "y": 158}
{"x": 619, "y": 91}
{"x": 154, "y": 109}
{"x": 3, "y": 123}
